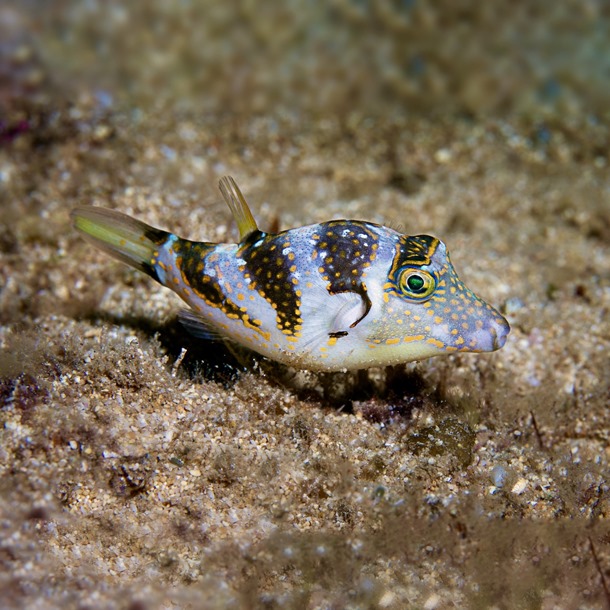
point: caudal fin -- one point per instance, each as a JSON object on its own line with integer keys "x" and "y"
{"x": 121, "y": 236}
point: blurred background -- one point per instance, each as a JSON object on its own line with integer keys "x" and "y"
{"x": 304, "y": 59}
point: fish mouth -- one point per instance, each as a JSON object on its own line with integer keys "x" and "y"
{"x": 499, "y": 334}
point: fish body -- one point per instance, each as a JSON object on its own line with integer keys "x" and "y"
{"x": 331, "y": 296}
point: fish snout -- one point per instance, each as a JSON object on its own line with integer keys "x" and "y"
{"x": 492, "y": 336}
{"x": 499, "y": 328}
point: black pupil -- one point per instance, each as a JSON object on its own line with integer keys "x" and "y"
{"x": 415, "y": 283}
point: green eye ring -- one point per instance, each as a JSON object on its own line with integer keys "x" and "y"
{"x": 416, "y": 283}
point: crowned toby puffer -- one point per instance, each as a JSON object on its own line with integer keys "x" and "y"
{"x": 342, "y": 294}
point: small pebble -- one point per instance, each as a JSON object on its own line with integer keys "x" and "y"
{"x": 498, "y": 476}
{"x": 520, "y": 486}
{"x": 432, "y": 602}
{"x": 387, "y": 599}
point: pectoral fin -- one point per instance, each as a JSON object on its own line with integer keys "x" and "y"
{"x": 352, "y": 309}
{"x": 332, "y": 316}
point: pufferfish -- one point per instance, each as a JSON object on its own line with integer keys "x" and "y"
{"x": 338, "y": 295}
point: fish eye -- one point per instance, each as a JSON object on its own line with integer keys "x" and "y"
{"x": 416, "y": 283}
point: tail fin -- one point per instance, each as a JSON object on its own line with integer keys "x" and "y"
{"x": 121, "y": 236}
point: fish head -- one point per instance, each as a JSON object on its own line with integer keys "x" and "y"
{"x": 426, "y": 310}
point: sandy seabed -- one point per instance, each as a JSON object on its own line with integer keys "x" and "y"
{"x": 132, "y": 477}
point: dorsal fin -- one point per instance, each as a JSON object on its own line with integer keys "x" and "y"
{"x": 238, "y": 206}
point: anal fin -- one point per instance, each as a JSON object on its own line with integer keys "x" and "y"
{"x": 200, "y": 328}
{"x": 197, "y": 326}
